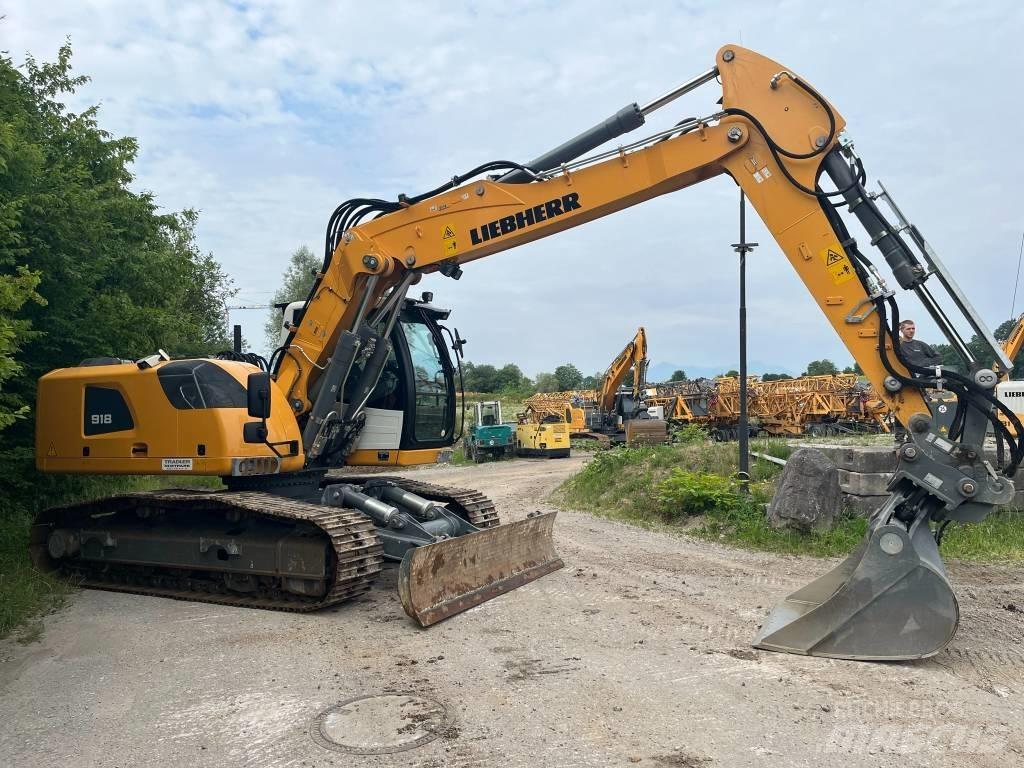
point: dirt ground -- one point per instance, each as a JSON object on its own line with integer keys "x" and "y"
{"x": 636, "y": 653}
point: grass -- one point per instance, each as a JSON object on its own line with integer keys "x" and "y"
{"x": 26, "y": 594}
{"x": 692, "y": 489}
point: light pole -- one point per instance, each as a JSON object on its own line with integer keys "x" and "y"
{"x": 743, "y": 248}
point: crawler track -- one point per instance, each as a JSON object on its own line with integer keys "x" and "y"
{"x": 356, "y": 561}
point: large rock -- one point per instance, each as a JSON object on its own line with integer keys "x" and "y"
{"x": 808, "y": 496}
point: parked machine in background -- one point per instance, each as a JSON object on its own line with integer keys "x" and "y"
{"x": 621, "y": 413}
{"x": 489, "y": 436}
{"x": 543, "y": 432}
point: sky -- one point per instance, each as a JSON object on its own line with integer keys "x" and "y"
{"x": 264, "y": 116}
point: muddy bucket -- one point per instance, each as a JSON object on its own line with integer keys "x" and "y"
{"x": 889, "y": 600}
{"x": 441, "y": 579}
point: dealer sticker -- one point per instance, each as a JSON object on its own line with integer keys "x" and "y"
{"x": 176, "y": 465}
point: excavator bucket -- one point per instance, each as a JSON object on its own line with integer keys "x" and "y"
{"x": 450, "y": 576}
{"x": 889, "y": 600}
{"x": 646, "y": 432}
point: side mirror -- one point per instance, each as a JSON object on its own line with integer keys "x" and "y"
{"x": 258, "y": 395}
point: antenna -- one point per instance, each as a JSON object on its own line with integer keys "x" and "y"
{"x": 1013, "y": 305}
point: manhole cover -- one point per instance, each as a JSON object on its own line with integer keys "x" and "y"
{"x": 380, "y": 725}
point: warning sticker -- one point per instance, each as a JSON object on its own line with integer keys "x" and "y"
{"x": 837, "y": 264}
{"x": 176, "y": 465}
{"x": 52, "y": 451}
{"x": 451, "y": 246}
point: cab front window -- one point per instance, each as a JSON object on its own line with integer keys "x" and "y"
{"x": 430, "y": 384}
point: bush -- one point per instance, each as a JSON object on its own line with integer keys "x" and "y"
{"x": 694, "y": 493}
{"x": 688, "y": 434}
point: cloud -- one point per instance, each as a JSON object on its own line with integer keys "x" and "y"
{"x": 265, "y": 116}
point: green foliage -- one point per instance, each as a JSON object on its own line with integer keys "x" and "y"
{"x": 117, "y": 277}
{"x": 296, "y": 283}
{"x": 695, "y": 485}
{"x": 88, "y": 267}
{"x": 487, "y": 378}
{"x": 820, "y": 368}
{"x": 14, "y": 292}
{"x": 731, "y": 374}
{"x": 568, "y": 377}
{"x": 688, "y": 433}
{"x": 678, "y": 375}
{"x": 695, "y": 493}
{"x": 775, "y": 376}
{"x": 746, "y": 525}
{"x": 546, "y": 382}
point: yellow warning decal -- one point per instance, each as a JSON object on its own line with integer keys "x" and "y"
{"x": 451, "y": 245}
{"x": 52, "y": 451}
{"x": 837, "y": 264}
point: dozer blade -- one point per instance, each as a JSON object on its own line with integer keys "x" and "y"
{"x": 888, "y": 600}
{"x": 450, "y": 576}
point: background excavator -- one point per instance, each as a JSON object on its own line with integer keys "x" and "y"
{"x": 612, "y": 413}
{"x": 622, "y": 415}
{"x": 364, "y": 378}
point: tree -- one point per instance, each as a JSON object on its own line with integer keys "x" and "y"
{"x": 568, "y": 377}
{"x": 731, "y": 374}
{"x": 950, "y": 358}
{"x": 820, "y": 368}
{"x": 14, "y": 292}
{"x": 510, "y": 377}
{"x": 678, "y": 375}
{"x": 113, "y": 276}
{"x": 296, "y": 283}
{"x": 775, "y": 377}
{"x": 592, "y": 382}
{"x": 546, "y": 382}
{"x": 1002, "y": 333}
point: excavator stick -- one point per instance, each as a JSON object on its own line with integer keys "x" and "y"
{"x": 438, "y": 580}
{"x": 889, "y": 600}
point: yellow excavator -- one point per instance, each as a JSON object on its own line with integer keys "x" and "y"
{"x": 365, "y": 378}
{"x": 622, "y": 415}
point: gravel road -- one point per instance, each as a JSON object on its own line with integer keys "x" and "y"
{"x": 636, "y": 653}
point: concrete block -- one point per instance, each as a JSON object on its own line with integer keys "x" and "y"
{"x": 864, "y": 483}
{"x": 861, "y": 458}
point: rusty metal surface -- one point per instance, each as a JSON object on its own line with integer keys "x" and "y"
{"x": 451, "y": 576}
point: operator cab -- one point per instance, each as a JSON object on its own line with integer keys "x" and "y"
{"x": 413, "y": 405}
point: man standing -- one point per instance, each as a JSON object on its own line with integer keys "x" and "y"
{"x": 918, "y": 353}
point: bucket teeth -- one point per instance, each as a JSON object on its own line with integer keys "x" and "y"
{"x": 450, "y": 576}
{"x": 889, "y": 600}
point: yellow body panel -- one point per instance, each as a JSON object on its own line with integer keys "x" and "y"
{"x": 398, "y": 458}
{"x": 542, "y": 437}
{"x": 196, "y": 441}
